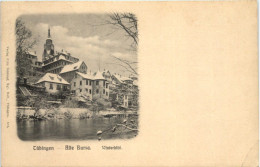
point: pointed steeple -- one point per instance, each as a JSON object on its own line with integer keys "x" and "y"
{"x": 48, "y": 46}
{"x": 49, "y": 32}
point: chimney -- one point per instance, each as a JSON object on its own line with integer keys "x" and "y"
{"x": 35, "y": 52}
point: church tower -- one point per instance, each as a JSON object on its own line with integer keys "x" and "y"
{"x": 48, "y": 47}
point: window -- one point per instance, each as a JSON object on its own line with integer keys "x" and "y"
{"x": 80, "y": 82}
{"x": 64, "y": 87}
{"x": 104, "y": 91}
{"x": 58, "y": 87}
{"x": 125, "y": 103}
{"x": 52, "y": 78}
{"x": 86, "y": 89}
{"x": 86, "y": 82}
{"x": 97, "y": 82}
{"x": 106, "y": 94}
{"x": 104, "y": 83}
{"x": 89, "y": 91}
{"x": 74, "y": 84}
{"x": 51, "y": 86}
{"x": 125, "y": 96}
{"x": 90, "y": 83}
{"x": 80, "y": 90}
{"x": 97, "y": 91}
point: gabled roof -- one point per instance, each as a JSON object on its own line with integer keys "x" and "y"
{"x": 32, "y": 53}
{"x": 49, "y": 77}
{"x": 71, "y": 67}
{"x": 121, "y": 79}
{"x": 98, "y": 76}
{"x": 125, "y": 79}
{"x": 117, "y": 77}
{"x": 86, "y": 76}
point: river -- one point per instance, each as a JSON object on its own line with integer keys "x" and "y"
{"x": 70, "y": 129}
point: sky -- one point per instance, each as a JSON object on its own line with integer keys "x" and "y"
{"x": 85, "y": 36}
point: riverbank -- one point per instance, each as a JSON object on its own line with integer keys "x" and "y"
{"x": 66, "y": 113}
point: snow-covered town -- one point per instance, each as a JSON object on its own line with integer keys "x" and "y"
{"x": 60, "y": 75}
{"x": 60, "y": 86}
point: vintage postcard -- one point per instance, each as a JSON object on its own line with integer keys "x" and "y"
{"x": 129, "y": 83}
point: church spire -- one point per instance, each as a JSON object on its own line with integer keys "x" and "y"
{"x": 49, "y": 32}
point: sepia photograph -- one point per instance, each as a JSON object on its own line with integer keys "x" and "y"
{"x": 77, "y": 76}
{"x": 136, "y": 83}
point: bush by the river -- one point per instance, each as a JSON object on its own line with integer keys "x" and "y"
{"x": 54, "y": 113}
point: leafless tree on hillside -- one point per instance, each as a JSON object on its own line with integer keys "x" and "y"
{"x": 24, "y": 43}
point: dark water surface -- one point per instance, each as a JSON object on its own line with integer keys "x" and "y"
{"x": 73, "y": 129}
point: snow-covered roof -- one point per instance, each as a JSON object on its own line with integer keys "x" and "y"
{"x": 121, "y": 79}
{"x": 49, "y": 77}
{"x": 125, "y": 79}
{"x": 71, "y": 67}
{"x": 31, "y": 53}
{"x": 135, "y": 83}
{"x": 86, "y": 76}
{"x": 117, "y": 77}
{"x": 62, "y": 57}
{"x": 98, "y": 76}
{"x": 57, "y": 59}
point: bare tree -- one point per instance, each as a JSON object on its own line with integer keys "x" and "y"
{"x": 128, "y": 23}
{"x": 24, "y": 43}
{"x": 129, "y": 66}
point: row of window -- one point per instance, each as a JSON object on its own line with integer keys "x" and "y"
{"x": 57, "y": 57}
{"x": 56, "y": 64}
{"x": 88, "y": 82}
{"x": 83, "y": 67}
{"x": 58, "y": 87}
{"x": 97, "y": 91}
{"x": 87, "y": 90}
{"x": 56, "y": 71}
{"x": 38, "y": 63}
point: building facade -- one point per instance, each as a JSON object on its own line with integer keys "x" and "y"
{"x": 53, "y": 84}
{"x": 90, "y": 86}
{"x": 36, "y": 66}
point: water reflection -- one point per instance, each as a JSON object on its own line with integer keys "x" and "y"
{"x": 63, "y": 129}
